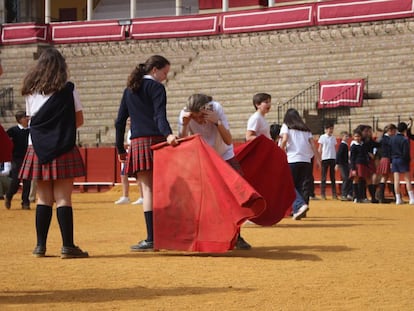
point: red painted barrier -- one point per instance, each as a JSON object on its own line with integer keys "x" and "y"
{"x": 305, "y": 15}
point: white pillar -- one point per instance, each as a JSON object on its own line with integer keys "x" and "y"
{"x": 225, "y": 5}
{"x": 178, "y": 7}
{"x": 89, "y": 10}
{"x": 271, "y": 3}
{"x": 133, "y": 7}
{"x": 48, "y": 10}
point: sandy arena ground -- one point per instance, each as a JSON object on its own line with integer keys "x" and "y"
{"x": 344, "y": 256}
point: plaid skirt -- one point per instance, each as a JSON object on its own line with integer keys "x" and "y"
{"x": 362, "y": 171}
{"x": 140, "y": 155}
{"x": 384, "y": 167}
{"x": 67, "y": 165}
{"x": 371, "y": 167}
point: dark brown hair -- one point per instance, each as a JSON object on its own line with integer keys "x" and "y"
{"x": 135, "y": 78}
{"x": 259, "y": 98}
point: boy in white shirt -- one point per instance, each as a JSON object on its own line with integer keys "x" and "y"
{"x": 327, "y": 150}
{"x": 257, "y": 124}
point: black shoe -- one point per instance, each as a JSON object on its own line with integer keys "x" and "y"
{"x": 385, "y": 201}
{"x": 7, "y": 203}
{"x": 143, "y": 246}
{"x": 39, "y": 251}
{"x": 242, "y": 244}
{"x": 73, "y": 252}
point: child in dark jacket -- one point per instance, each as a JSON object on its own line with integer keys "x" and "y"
{"x": 400, "y": 157}
{"x": 359, "y": 166}
{"x": 342, "y": 163}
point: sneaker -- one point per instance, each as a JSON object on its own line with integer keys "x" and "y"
{"x": 357, "y": 201}
{"x": 411, "y": 202}
{"x": 302, "y": 211}
{"x": 242, "y": 244}
{"x": 349, "y": 197}
{"x": 344, "y": 199}
{"x": 26, "y": 206}
{"x": 399, "y": 202}
{"x": 138, "y": 202}
{"x": 365, "y": 201}
{"x": 73, "y": 252}
{"x": 143, "y": 246}
{"x": 122, "y": 200}
{"x": 39, "y": 251}
{"x": 7, "y": 203}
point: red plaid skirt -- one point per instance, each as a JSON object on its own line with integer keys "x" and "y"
{"x": 140, "y": 155}
{"x": 384, "y": 167}
{"x": 67, "y": 165}
{"x": 371, "y": 167}
{"x": 362, "y": 171}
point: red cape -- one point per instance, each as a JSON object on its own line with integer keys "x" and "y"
{"x": 266, "y": 168}
{"x": 199, "y": 200}
{"x": 6, "y": 146}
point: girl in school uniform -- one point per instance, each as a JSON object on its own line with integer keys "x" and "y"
{"x": 144, "y": 101}
{"x": 52, "y": 157}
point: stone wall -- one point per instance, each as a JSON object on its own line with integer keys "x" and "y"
{"x": 232, "y": 68}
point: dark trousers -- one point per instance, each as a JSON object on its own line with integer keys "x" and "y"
{"x": 303, "y": 179}
{"x": 328, "y": 165}
{"x": 15, "y": 181}
{"x": 346, "y": 188}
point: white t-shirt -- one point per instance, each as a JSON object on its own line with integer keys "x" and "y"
{"x": 258, "y": 124}
{"x": 328, "y": 143}
{"x": 36, "y": 101}
{"x": 298, "y": 148}
{"x": 210, "y": 133}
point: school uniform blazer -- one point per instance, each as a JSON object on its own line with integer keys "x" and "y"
{"x": 400, "y": 147}
{"x": 53, "y": 127}
{"x": 342, "y": 156}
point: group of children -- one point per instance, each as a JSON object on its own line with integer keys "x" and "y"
{"x": 364, "y": 164}
{"x": 369, "y": 164}
{"x": 53, "y": 159}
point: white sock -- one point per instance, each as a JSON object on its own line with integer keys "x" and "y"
{"x": 397, "y": 198}
{"x": 411, "y": 195}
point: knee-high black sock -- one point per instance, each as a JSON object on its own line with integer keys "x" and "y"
{"x": 150, "y": 226}
{"x": 363, "y": 189}
{"x": 355, "y": 191}
{"x": 65, "y": 219}
{"x": 43, "y": 218}
{"x": 371, "y": 189}
{"x": 381, "y": 190}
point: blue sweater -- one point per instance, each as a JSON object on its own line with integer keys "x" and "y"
{"x": 147, "y": 110}
{"x": 400, "y": 147}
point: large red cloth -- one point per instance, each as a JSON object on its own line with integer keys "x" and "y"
{"x": 199, "y": 200}
{"x": 6, "y": 146}
{"x": 266, "y": 168}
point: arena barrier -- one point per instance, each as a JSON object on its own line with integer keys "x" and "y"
{"x": 267, "y": 19}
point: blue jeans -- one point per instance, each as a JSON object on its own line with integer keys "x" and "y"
{"x": 302, "y": 178}
{"x": 298, "y": 203}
